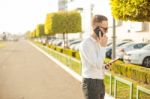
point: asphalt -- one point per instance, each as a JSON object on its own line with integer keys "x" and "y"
{"x": 25, "y": 73}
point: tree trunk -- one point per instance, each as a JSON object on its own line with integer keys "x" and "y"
{"x": 64, "y": 39}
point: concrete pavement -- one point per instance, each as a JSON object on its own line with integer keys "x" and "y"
{"x": 25, "y": 73}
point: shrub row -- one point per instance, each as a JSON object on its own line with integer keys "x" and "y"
{"x": 131, "y": 71}
{"x": 66, "y": 51}
{"x": 134, "y": 72}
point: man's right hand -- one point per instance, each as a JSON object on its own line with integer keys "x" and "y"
{"x": 103, "y": 40}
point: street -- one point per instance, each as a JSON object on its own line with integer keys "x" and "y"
{"x": 25, "y": 73}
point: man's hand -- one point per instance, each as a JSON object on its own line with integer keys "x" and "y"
{"x": 108, "y": 66}
{"x": 103, "y": 40}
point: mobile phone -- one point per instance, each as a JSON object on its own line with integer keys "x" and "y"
{"x": 98, "y": 31}
{"x": 106, "y": 66}
{"x": 113, "y": 61}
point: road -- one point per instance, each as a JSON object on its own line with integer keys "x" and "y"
{"x": 26, "y": 73}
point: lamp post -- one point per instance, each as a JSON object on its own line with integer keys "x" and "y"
{"x": 114, "y": 40}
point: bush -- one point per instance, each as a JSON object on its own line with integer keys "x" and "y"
{"x": 52, "y": 47}
{"x": 77, "y": 55}
{"x": 69, "y": 52}
{"x": 59, "y": 49}
{"x": 134, "y": 72}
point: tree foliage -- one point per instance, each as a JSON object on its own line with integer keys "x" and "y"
{"x": 48, "y": 24}
{"x": 133, "y": 10}
{"x": 63, "y": 22}
{"x": 40, "y": 30}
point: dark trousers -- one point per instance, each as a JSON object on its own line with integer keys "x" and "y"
{"x": 93, "y": 88}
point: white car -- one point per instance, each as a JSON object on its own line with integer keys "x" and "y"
{"x": 122, "y": 50}
{"x": 140, "y": 57}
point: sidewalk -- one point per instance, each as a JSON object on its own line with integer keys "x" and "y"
{"x": 25, "y": 73}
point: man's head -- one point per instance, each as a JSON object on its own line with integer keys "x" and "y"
{"x": 101, "y": 22}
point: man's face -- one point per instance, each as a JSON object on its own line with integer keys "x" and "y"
{"x": 103, "y": 26}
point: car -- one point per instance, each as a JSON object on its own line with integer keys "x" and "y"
{"x": 75, "y": 46}
{"x": 120, "y": 51}
{"x": 109, "y": 48}
{"x": 74, "y": 42}
{"x": 140, "y": 56}
{"x": 66, "y": 42}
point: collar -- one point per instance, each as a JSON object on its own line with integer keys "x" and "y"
{"x": 92, "y": 39}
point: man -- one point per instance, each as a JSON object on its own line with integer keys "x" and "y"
{"x": 92, "y": 52}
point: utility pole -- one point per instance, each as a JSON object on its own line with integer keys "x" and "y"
{"x": 114, "y": 40}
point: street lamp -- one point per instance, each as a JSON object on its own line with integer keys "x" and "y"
{"x": 114, "y": 40}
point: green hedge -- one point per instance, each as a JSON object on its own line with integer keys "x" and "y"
{"x": 69, "y": 52}
{"x": 59, "y": 49}
{"x": 137, "y": 73}
{"x": 134, "y": 72}
{"x": 77, "y": 55}
{"x": 52, "y": 47}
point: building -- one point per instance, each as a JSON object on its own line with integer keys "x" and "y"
{"x": 62, "y": 5}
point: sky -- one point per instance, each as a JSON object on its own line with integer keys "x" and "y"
{"x": 19, "y": 16}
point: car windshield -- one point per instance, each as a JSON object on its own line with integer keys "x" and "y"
{"x": 126, "y": 45}
{"x": 146, "y": 47}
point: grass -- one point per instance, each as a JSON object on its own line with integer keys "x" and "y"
{"x": 122, "y": 89}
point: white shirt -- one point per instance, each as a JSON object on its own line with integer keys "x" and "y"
{"x": 92, "y": 58}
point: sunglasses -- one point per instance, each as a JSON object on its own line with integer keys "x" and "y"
{"x": 105, "y": 28}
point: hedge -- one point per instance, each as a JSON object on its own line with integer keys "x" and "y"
{"x": 69, "y": 52}
{"x": 77, "y": 55}
{"x": 131, "y": 71}
{"x": 135, "y": 72}
{"x": 59, "y": 49}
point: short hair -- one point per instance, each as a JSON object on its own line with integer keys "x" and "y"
{"x": 98, "y": 19}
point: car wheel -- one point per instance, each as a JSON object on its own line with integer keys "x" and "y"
{"x": 146, "y": 62}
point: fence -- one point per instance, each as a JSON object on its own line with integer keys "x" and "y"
{"x": 76, "y": 65}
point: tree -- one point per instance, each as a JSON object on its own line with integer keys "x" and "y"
{"x": 40, "y": 30}
{"x": 133, "y": 10}
{"x": 67, "y": 22}
{"x": 63, "y": 22}
{"x": 48, "y": 24}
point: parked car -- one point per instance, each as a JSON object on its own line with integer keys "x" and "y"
{"x": 122, "y": 50}
{"x": 66, "y": 42}
{"x": 74, "y": 42}
{"x": 74, "y": 46}
{"x": 109, "y": 48}
{"x": 140, "y": 56}
{"x": 77, "y": 47}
